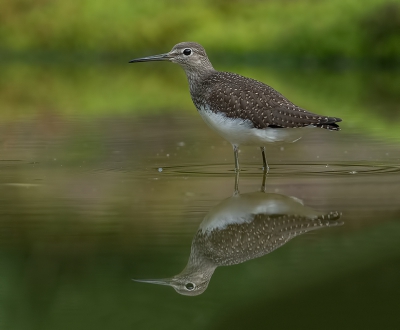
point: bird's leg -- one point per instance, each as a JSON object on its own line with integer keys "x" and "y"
{"x": 265, "y": 164}
{"x": 236, "y": 189}
{"x": 235, "y": 153}
{"x": 265, "y": 172}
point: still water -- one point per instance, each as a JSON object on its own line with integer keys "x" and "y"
{"x": 90, "y": 202}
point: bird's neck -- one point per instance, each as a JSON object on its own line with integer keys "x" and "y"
{"x": 199, "y": 265}
{"x": 196, "y": 75}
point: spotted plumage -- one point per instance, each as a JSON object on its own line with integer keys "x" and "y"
{"x": 238, "y": 97}
{"x": 264, "y": 233}
{"x": 241, "y": 228}
{"x": 244, "y": 111}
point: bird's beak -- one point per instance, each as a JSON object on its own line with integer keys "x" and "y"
{"x": 163, "y": 281}
{"x": 161, "y": 57}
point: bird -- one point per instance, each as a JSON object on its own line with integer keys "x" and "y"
{"x": 242, "y": 110}
{"x": 241, "y": 228}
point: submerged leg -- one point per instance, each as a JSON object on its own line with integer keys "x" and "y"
{"x": 236, "y": 189}
{"x": 235, "y": 153}
{"x": 265, "y": 164}
{"x": 263, "y": 180}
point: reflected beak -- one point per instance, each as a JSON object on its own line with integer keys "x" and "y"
{"x": 161, "y": 57}
{"x": 163, "y": 281}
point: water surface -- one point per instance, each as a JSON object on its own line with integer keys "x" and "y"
{"x": 89, "y": 202}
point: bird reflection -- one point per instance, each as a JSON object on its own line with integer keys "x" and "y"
{"x": 241, "y": 228}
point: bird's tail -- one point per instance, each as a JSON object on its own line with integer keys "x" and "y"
{"x": 331, "y": 127}
{"x": 330, "y": 124}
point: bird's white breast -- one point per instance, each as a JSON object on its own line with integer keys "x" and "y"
{"x": 242, "y": 208}
{"x": 242, "y": 132}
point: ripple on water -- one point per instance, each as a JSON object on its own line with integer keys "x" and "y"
{"x": 292, "y": 169}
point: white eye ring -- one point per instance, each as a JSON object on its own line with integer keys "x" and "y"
{"x": 190, "y": 286}
{"x": 187, "y": 52}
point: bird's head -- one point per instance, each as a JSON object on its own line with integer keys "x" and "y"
{"x": 184, "y": 285}
{"x": 189, "y": 55}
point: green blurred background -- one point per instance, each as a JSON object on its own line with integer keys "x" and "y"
{"x": 70, "y": 57}
{"x": 322, "y": 30}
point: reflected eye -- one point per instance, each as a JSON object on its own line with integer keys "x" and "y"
{"x": 190, "y": 286}
{"x": 187, "y": 51}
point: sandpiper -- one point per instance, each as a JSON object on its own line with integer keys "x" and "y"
{"x": 241, "y": 228}
{"x": 242, "y": 110}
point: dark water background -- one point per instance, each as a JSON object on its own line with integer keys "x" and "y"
{"x": 107, "y": 172}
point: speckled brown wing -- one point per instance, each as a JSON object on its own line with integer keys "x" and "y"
{"x": 240, "y": 97}
{"x": 263, "y": 234}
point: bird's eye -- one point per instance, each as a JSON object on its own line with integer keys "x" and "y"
{"x": 190, "y": 286}
{"x": 187, "y": 51}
